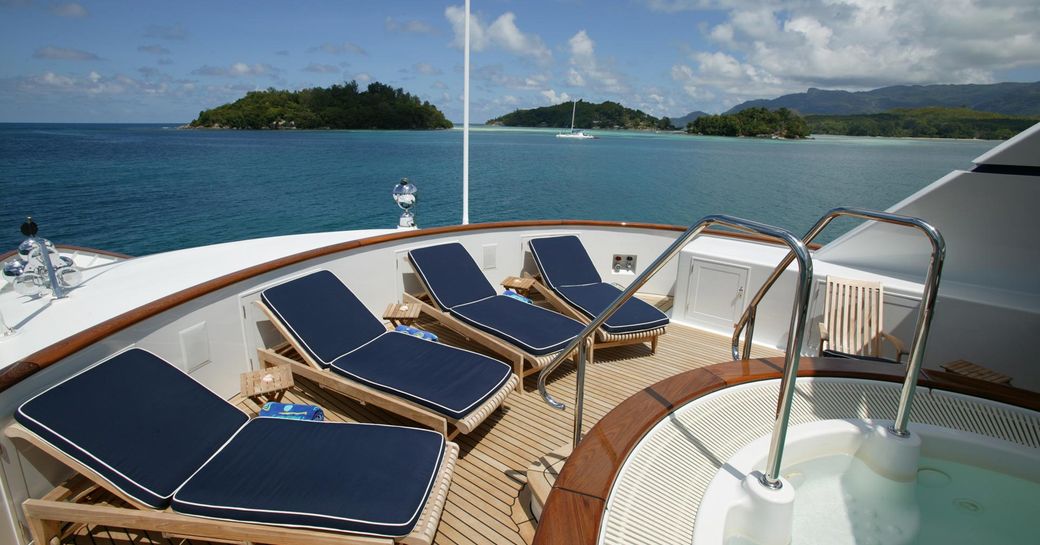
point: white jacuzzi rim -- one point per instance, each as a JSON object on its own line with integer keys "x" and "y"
{"x": 813, "y": 440}
{"x": 914, "y": 426}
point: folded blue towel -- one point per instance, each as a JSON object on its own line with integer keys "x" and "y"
{"x": 292, "y": 411}
{"x": 416, "y": 332}
{"x": 517, "y": 296}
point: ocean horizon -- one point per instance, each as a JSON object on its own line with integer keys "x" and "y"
{"x": 142, "y": 188}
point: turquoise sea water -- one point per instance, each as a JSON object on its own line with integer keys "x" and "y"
{"x": 141, "y": 189}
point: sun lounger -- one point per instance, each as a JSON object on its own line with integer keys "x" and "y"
{"x": 462, "y": 299}
{"x": 175, "y": 457}
{"x": 348, "y": 350}
{"x": 572, "y": 285}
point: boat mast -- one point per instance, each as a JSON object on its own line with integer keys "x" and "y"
{"x": 465, "y": 122}
{"x": 573, "y": 111}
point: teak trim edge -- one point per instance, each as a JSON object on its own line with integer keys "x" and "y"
{"x": 22, "y": 369}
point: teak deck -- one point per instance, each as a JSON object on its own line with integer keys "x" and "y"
{"x": 488, "y": 501}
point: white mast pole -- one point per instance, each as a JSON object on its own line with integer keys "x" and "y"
{"x": 465, "y": 123}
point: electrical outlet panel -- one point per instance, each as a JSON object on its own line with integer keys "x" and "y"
{"x": 623, "y": 264}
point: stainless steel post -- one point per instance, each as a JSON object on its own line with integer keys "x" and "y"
{"x": 579, "y": 395}
{"x": 794, "y": 337}
{"x": 924, "y": 317}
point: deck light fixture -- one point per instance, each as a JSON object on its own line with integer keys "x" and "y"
{"x": 405, "y": 197}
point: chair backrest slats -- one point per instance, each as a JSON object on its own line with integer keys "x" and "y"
{"x": 853, "y": 316}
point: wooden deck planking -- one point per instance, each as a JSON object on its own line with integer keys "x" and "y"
{"x": 487, "y": 502}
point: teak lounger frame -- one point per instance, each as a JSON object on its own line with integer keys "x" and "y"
{"x": 604, "y": 339}
{"x": 513, "y": 354}
{"x": 61, "y": 513}
{"x": 329, "y": 380}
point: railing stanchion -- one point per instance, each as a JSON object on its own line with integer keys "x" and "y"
{"x": 582, "y": 341}
{"x": 579, "y": 394}
{"x": 924, "y": 316}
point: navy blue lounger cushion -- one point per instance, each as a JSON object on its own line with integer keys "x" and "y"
{"x": 537, "y": 330}
{"x": 324, "y": 317}
{"x": 451, "y": 274}
{"x": 358, "y": 478}
{"x": 448, "y": 380}
{"x": 567, "y": 270}
{"x": 152, "y": 429}
{"x": 563, "y": 261}
{"x": 634, "y": 315}
{"x": 330, "y": 323}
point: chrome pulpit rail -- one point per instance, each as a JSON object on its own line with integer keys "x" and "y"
{"x": 794, "y": 343}
{"x": 924, "y": 319}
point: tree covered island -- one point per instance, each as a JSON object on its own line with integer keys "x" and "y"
{"x": 379, "y": 106}
{"x": 605, "y": 115}
{"x": 782, "y": 123}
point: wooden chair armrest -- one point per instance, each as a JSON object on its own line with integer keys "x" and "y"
{"x": 898, "y": 344}
{"x": 824, "y": 336}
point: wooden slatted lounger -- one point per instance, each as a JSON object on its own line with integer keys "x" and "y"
{"x": 572, "y": 286}
{"x": 170, "y": 456}
{"x": 346, "y": 349}
{"x": 461, "y": 298}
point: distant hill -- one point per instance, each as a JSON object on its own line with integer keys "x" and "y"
{"x": 379, "y": 106}
{"x": 605, "y": 115}
{"x": 681, "y": 122}
{"x": 1002, "y": 98}
{"x": 924, "y": 123}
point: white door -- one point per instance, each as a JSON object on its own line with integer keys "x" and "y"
{"x": 715, "y": 294}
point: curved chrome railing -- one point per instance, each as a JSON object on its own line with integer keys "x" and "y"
{"x": 924, "y": 319}
{"x": 794, "y": 342}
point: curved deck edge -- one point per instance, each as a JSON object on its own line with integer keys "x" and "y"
{"x": 37, "y": 361}
{"x": 574, "y": 510}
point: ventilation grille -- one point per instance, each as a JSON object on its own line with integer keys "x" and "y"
{"x": 657, "y": 493}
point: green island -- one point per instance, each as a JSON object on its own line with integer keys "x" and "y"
{"x": 924, "y": 123}
{"x": 605, "y": 115}
{"x": 379, "y": 106}
{"x": 759, "y": 122}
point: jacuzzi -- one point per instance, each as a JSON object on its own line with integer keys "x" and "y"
{"x": 969, "y": 472}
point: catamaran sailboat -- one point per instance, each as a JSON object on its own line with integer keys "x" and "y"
{"x": 575, "y": 134}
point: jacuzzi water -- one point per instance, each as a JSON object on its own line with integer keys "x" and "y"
{"x": 950, "y": 503}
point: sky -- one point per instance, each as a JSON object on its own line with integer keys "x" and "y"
{"x": 151, "y": 61}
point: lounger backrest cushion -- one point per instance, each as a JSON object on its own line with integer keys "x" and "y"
{"x": 451, "y": 275}
{"x": 563, "y": 261}
{"x": 323, "y": 315}
{"x": 136, "y": 420}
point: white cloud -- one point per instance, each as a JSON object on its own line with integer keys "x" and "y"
{"x": 71, "y": 10}
{"x": 587, "y": 70}
{"x": 427, "y": 69}
{"x": 154, "y": 49}
{"x": 860, "y": 44}
{"x": 237, "y": 69}
{"x": 553, "y": 98}
{"x": 362, "y": 77}
{"x": 496, "y": 76}
{"x": 502, "y": 33}
{"x": 163, "y": 32}
{"x": 340, "y": 48}
{"x": 412, "y": 26}
{"x": 93, "y": 84}
{"x": 64, "y": 54}
{"x": 318, "y": 68}
{"x": 766, "y": 49}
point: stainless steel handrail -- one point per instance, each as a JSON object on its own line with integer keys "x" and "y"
{"x": 794, "y": 343}
{"x": 924, "y": 319}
